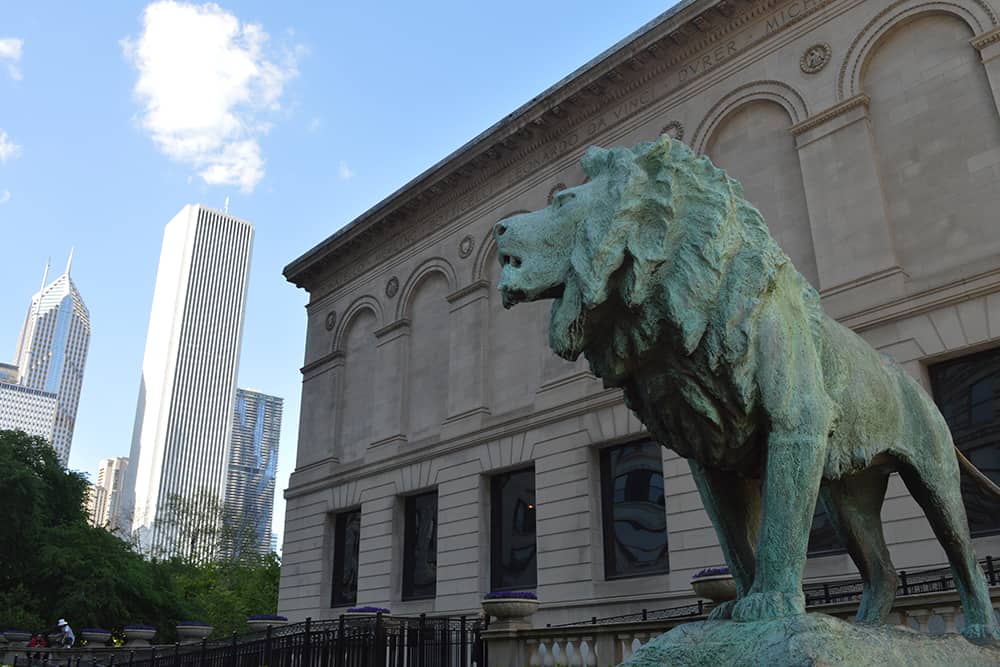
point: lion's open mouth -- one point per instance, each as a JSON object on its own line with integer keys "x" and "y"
{"x": 512, "y": 297}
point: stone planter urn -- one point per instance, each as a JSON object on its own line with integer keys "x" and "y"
{"x": 367, "y": 612}
{"x": 96, "y": 636}
{"x": 512, "y": 609}
{"x": 193, "y": 631}
{"x": 714, "y": 583}
{"x": 262, "y": 622}
{"x": 17, "y": 638}
{"x": 139, "y": 635}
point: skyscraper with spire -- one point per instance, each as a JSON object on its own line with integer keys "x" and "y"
{"x": 52, "y": 352}
{"x": 183, "y": 420}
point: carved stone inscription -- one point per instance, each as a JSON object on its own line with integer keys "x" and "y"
{"x": 723, "y": 41}
{"x": 789, "y": 12}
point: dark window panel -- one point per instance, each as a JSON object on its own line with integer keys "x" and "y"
{"x": 823, "y": 540}
{"x": 420, "y": 546}
{"x": 966, "y": 390}
{"x": 512, "y": 520}
{"x": 346, "y": 545}
{"x": 634, "y": 510}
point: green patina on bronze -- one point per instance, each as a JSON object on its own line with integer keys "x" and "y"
{"x": 669, "y": 282}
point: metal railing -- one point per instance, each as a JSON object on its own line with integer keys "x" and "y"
{"x": 349, "y": 641}
{"x": 936, "y": 580}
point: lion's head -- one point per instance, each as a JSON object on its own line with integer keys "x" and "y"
{"x": 652, "y": 237}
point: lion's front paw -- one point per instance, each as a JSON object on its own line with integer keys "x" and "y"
{"x": 764, "y": 606}
{"x": 723, "y": 611}
{"x": 981, "y": 633}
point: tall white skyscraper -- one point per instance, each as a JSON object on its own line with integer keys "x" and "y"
{"x": 253, "y": 462}
{"x": 106, "y": 493}
{"x": 52, "y": 352}
{"x": 183, "y": 417}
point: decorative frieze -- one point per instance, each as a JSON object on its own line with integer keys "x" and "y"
{"x": 565, "y": 126}
{"x": 980, "y": 42}
{"x": 831, "y": 113}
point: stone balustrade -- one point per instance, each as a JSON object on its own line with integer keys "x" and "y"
{"x": 606, "y": 644}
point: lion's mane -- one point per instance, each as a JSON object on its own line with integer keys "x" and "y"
{"x": 683, "y": 251}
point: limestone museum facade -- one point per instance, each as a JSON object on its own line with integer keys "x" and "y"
{"x": 444, "y": 451}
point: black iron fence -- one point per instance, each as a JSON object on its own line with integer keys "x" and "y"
{"x": 910, "y": 583}
{"x": 350, "y": 641}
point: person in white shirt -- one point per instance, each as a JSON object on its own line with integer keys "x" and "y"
{"x": 68, "y": 638}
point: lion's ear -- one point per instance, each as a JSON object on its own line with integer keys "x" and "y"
{"x": 594, "y": 161}
{"x": 655, "y": 155}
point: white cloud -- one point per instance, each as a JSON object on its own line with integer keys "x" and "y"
{"x": 10, "y": 49}
{"x": 314, "y": 124}
{"x": 345, "y": 172}
{"x": 8, "y": 149}
{"x": 4, "y": 197}
{"x": 207, "y": 82}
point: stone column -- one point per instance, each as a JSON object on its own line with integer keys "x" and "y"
{"x": 988, "y": 45}
{"x": 318, "y": 418}
{"x": 467, "y": 402}
{"x": 921, "y": 616}
{"x": 392, "y": 344}
{"x": 947, "y": 615}
{"x": 851, "y": 232}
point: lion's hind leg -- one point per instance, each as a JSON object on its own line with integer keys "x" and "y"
{"x": 854, "y": 506}
{"x": 934, "y": 483}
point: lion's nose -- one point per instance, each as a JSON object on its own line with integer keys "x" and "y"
{"x": 499, "y": 228}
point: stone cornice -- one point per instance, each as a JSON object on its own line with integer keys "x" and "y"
{"x": 477, "y": 288}
{"x": 330, "y": 358}
{"x": 831, "y": 113}
{"x": 925, "y": 301}
{"x": 980, "y": 42}
{"x": 399, "y": 327}
{"x": 550, "y": 126}
{"x": 441, "y": 448}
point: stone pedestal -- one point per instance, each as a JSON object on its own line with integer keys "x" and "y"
{"x": 814, "y": 639}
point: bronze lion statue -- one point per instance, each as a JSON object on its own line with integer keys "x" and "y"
{"x": 669, "y": 282}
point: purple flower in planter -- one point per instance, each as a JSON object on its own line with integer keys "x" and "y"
{"x": 96, "y": 630}
{"x": 711, "y": 572}
{"x": 267, "y": 617}
{"x": 519, "y": 595}
{"x": 198, "y": 623}
{"x": 139, "y": 627}
{"x": 367, "y": 610}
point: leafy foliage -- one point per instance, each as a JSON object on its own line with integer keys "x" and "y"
{"x": 54, "y": 565}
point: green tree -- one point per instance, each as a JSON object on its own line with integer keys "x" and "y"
{"x": 53, "y": 564}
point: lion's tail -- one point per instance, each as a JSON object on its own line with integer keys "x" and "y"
{"x": 977, "y": 474}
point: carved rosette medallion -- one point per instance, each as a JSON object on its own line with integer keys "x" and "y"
{"x": 555, "y": 189}
{"x": 465, "y": 246}
{"x": 392, "y": 287}
{"x": 815, "y": 58}
{"x": 331, "y": 320}
{"x": 674, "y": 129}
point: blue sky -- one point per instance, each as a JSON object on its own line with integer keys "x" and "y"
{"x": 113, "y": 116}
